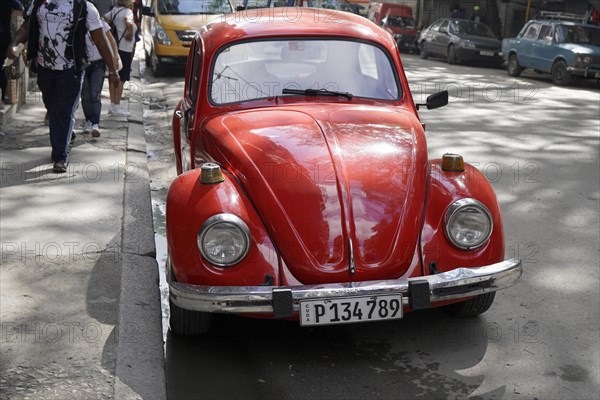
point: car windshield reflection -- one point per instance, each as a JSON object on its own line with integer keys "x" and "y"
{"x": 188, "y": 7}
{"x": 262, "y": 69}
{"x": 462, "y": 28}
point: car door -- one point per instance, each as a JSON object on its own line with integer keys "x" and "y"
{"x": 525, "y": 45}
{"x": 187, "y": 112}
{"x": 442, "y": 39}
{"x": 429, "y": 36}
{"x": 544, "y": 49}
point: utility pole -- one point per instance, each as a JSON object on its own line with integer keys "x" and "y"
{"x": 527, "y": 11}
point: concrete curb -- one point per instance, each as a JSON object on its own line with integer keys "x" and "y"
{"x": 140, "y": 365}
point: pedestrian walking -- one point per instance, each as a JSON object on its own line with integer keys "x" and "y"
{"x": 55, "y": 34}
{"x": 93, "y": 81}
{"x": 122, "y": 18}
{"x": 7, "y": 9}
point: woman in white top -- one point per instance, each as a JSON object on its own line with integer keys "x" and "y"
{"x": 122, "y": 17}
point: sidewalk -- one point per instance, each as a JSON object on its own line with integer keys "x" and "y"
{"x": 79, "y": 298}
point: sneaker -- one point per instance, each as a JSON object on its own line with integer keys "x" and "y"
{"x": 59, "y": 167}
{"x": 95, "y": 130}
{"x": 119, "y": 111}
{"x": 87, "y": 127}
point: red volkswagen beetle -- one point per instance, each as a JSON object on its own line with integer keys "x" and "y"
{"x": 305, "y": 190}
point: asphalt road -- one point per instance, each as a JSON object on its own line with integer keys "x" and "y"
{"x": 539, "y": 146}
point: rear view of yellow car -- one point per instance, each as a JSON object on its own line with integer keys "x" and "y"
{"x": 169, "y": 26}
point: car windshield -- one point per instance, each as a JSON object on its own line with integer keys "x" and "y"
{"x": 178, "y": 7}
{"x": 250, "y": 4}
{"x": 262, "y": 69}
{"x": 579, "y": 34}
{"x": 400, "y": 22}
{"x": 462, "y": 28}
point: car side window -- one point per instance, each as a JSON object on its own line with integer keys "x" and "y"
{"x": 195, "y": 70}
{"x": 532, "y": 31}
{"x": 444, "y": 26}
{"x": 436, "y": 26}
{"x": 559, "y": 34}
{"x": 545, "y": 33}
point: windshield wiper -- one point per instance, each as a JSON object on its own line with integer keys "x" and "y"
{"x": 317, "y": 92}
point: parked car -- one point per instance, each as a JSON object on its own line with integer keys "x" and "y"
{"x": 170, "y": 25}
{"x": 558, "y": 47}
{"x": 398, "y": 20}
{"x": 460, "y": 40}
{"x": 305, "y": 191}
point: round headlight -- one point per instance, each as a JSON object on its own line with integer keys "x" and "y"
{"x": 224, "y": 240}
{"x": 468, "y": 224}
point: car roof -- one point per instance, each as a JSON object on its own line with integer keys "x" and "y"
{"x": 290, "y": 21}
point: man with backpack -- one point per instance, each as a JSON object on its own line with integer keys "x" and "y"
{"x": 55, "y": 34}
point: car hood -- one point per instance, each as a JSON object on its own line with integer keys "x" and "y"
{"x": 482, "y": 41}
{"x": 337, "y": 187}
{"x": 186, "y": 22}
{"x": 577, "y": 48}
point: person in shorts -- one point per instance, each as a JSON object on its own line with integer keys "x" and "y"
{"x": 122, "y": 17}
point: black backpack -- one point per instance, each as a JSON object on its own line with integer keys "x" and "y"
{"x": 113, "y": 27}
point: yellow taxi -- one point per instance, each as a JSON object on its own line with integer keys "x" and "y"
{"x": 169, "y": 26}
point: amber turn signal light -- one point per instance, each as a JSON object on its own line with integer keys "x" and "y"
{"x": 211, "y": 173}
{"x": 452, "y": 163}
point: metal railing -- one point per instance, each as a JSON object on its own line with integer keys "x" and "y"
{"x": 558, "y": 15}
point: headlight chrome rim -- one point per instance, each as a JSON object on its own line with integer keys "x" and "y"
{"x": 460, "y": 205}
{"x": 217, "y": 219}
{"x": 161, "y": 35}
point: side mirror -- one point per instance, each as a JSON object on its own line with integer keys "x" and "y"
{"x": 435, "y": 100}
{"x": 147, "y": 11}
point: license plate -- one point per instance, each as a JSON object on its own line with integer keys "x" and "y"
{"x": 486, "y": 53}
{"x": 350, "y": 309}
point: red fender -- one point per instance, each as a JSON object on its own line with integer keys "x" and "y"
{"x": 189, "y": 204}
{"x": 444, "y": 189}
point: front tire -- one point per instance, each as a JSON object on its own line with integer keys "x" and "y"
{"x": 560, "y": 74}
{"x": 514, "y": 69}
{"x": 157, "y": 68}
{"x": 471, "y": 308}
{"x": 423, "y": 53}
{"x": 187, "y": 322}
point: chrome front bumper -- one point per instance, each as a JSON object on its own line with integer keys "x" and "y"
{"x": 418, "y": 293}
{"x": 587, "y": 72}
